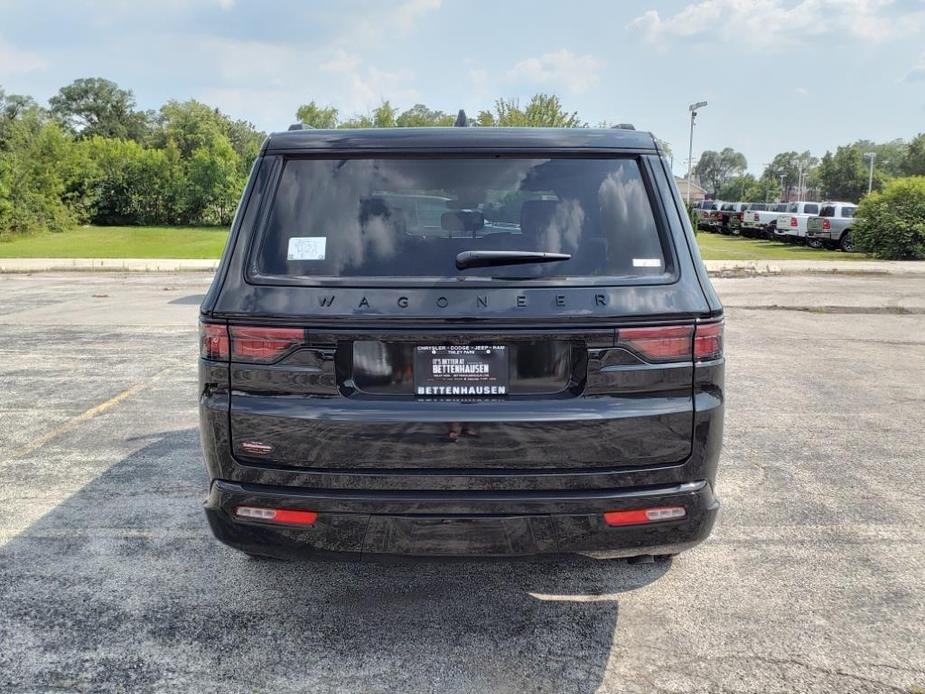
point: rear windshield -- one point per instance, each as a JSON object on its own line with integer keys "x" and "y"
{"x": 413, "y": 217}
{"x": 810, "y": 209}
{"x": 827, "y": 211}
{"x": 758, "y": 207}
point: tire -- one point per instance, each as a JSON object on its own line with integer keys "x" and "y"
{"x": 814, "y": 243}
{"x": 845, "y": 243}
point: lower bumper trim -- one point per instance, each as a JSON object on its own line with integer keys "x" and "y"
{"x": 477, "y": 524}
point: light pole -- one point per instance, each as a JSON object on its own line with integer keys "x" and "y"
{"x": 782, "y": 194}
{"x": 870, "y": 178}
{"x": 799, "y": 163}
{"x": 690, "y": 149}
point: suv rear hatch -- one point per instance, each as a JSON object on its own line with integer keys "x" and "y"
{"x": 371, "y": 343}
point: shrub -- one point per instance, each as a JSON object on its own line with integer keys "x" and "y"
{"x": 891, "y": 223}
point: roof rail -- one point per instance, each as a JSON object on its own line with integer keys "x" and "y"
{"x": 462, "y": 121}
{"x": 623, "y": 126}
{"x": 301, "y": 126}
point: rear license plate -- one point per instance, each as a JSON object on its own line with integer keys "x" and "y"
{"x": 459, "y": 371}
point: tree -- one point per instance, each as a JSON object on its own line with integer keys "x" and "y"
{"x": 665, "y": 147}
{"x": 844, "y": 175}
{"x": 13, "y": 107}
{"x": 384, "y": 115}
{"x": 316, "y": 116}
{"x": 95, "y": 106}
{"x": 214, "y": 182}
{"x": 891, "y": 224}
{"x": 714, "y": 169}
{"x": 34, "y": 156}
{"x": 419, "y": 116}
{"x": 787, "y": 166}
{"x": 913, "y": 163}
{"x": 543, "y": 111}
{"x": 747, "y": 188}
{"x": 890, "y": 155}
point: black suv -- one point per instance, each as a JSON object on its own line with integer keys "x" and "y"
{"x": 461, "y": 341}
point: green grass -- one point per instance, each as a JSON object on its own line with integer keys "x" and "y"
{"x": 207, "y": 242}
{"x": 121, "y": 242}
{"x": 719, "y": 247}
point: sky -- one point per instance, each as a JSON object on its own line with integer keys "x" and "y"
{"x": 778, "y": 75}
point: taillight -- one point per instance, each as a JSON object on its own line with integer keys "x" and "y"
{"x": 755, "y": 218}
{"x": 276, "y": 515}
{"x": 213, "y": 341}
{"x": 662, "y": 343}
{"x": 708, "y": 341}
{"x": 741, "y": 216}
{"x": 826, "y": 225}
{"x": 643, "y": 516}
{"x": 793, "y": 222}
{"x": 263, "y": 344}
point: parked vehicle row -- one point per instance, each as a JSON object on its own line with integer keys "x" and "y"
{"x": 817, "y": 224}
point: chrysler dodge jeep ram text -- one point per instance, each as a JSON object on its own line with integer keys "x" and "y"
{"x": 461, "y": 341}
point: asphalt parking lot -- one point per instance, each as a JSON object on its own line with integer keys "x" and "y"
{"x": 110, "y": 581}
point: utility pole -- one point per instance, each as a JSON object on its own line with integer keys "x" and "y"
{"x": 690, "y": 148}
{"x": 870, "y": 178}
{"x": 782, "y": 195}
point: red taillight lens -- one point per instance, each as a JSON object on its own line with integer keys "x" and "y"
{"x": 793, "y": 221}
{"x": 662, "y": 343}
{"x": 741, "y": 216}
{"x": 213, "y": 341}
{"x": 756, "y": 217}
{"x": 276, "y": 515}
{"x": 263, "y": 344}
{"x": 826, "y": 225}
{"x": 643, "y": 516}
{"x": 708, "y": 341}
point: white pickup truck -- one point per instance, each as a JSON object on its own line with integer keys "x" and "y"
{"x": 791, "y": 225}
{"x": 760, "y": 219}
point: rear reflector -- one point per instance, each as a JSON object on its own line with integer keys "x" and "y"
{"x": 213, "y": 341}
{"x": 276, "y": 515}
{"x": 662, "y": 343}
{"x": 642, "y": 516}
{"x": 793, "y": 222}
{"x": 708, "y": 341}
{"x": 263, "y": 344}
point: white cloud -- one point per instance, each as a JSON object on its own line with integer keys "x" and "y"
{"x": 408, "y": 12}
{"x": 917, "y": 73}
{"x": 802, "y": 91}
{"x": 15, "y": 62}
{"x": 367, "y": 85}
{"x": 561, "y": 69}
{"x": 772, "y": 22}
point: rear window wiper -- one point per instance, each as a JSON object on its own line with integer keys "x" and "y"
{"x": 468, "y": 259}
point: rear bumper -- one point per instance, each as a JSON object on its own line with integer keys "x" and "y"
{"x": 368, "y": 524}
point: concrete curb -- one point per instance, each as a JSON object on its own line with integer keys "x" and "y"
{"x": 754, "y": 268}
{"x": 25, "y": 265}
{"x": 716, "y": 268}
